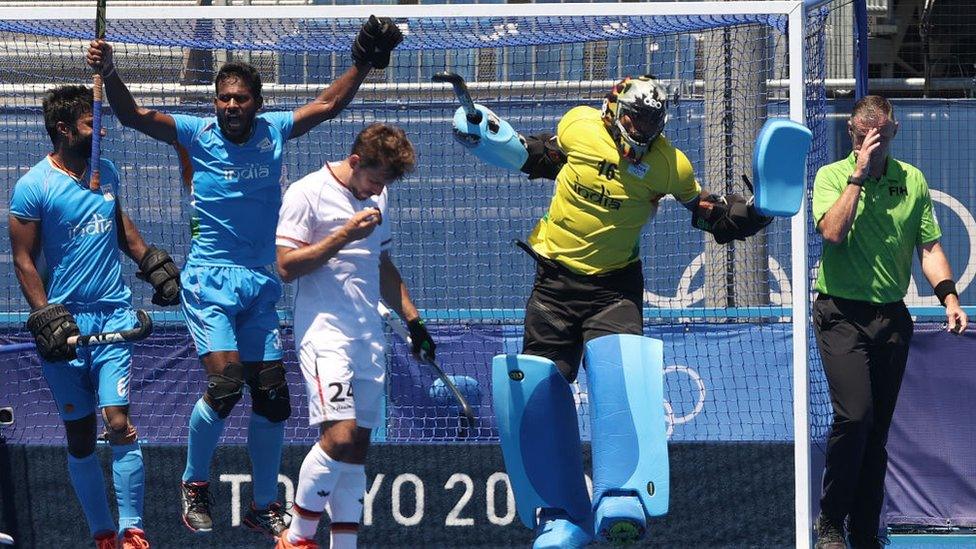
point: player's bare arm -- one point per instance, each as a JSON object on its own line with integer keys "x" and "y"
{"x": 935, "y": 267}
{"x": 296, "y": 262}
{"x": 25, "y": 242}
{"x": 155, "y": 124}
{"x": 155, "y": 264}
{"x": 395, "y": 294}
{"x": 372, "y": 48}
{"x": 394, "y": 291}
{"x": 130, "y": 239}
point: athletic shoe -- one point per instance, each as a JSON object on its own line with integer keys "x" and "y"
{"x": 134, "y": 538}
{"x": 283, "y": 543}
{"x": 106, "y": 540}
{"x": 829, "y": 534}
{"x": 196, "y": 506}
{"x": 270, "y": 522}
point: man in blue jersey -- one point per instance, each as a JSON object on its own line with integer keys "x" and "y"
{"x": 79, "y": 232}
{"x": 230, "y": 286}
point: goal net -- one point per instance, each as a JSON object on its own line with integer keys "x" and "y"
{"x": 724, "y": 312}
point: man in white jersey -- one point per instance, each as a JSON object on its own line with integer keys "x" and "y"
{"x": 332, "y": 240}
{"x": 234, "y": 161}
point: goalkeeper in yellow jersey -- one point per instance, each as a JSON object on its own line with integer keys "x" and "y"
{"x": 611, "y": 166}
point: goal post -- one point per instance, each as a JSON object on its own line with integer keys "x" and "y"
{"x": 737, "y": 317}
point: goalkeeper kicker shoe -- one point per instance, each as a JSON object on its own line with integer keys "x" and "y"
{"x": 196, "y": 506}
{"x": 271, "y": 521}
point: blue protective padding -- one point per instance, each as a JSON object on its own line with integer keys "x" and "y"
{"x": 503, "y": 148}
{"x": 779, "y": 164}
{"x": 536, "y": 419}
{"x": 625, "y": 377}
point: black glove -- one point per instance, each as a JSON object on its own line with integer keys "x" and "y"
{"x": 375, "y": 41}
{"x": 423, "y": 345}
{"x": 51, "y": 326}
{"x": 730, "y": 217}
{"x": 157, "y": 268}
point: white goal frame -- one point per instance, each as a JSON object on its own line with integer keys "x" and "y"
{"x": 794, "y": 10}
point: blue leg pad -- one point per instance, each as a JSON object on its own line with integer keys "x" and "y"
{"x": 625, "y": 376}
{"x": 536, "y": 419}
{"x": 556, "y": 531}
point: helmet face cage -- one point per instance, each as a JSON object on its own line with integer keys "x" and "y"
{"x": 646, "y": 105}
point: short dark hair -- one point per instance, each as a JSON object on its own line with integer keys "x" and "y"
{"x": 871, "y": 106}
{"x": 65, "y": 104}
{"x": 245, "y": 72}
{"x": 385, "y": 147}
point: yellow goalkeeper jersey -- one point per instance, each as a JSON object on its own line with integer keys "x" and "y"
{"x": 602, "y": 201}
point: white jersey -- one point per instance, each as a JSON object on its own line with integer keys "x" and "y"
{"x": 338, "y": 300}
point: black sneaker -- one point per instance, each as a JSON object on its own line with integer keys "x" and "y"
{"x": 196, "y": 506}
{"x": 270, "y": 522}
{"x": 830, "y": 535}
{"x": 867, "y": 542}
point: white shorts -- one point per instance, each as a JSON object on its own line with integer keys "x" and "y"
{"x": 345, "y": 381}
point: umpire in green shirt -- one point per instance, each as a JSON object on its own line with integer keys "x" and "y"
{"x": 872, "y": 212}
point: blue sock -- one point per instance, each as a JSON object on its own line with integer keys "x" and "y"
{"x": 89, "y": 483}
{"x": 130, "y": 484}
{"x": 264, "y": 441}
{"x": 205, "y": 429}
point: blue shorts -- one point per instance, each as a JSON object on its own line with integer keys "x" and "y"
{"x": 232, "y": 309}
{"x": 100, "y": 375}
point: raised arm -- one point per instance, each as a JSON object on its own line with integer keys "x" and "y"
{"x": 25, "y": 243}
{"x": 153, "y": 123}
{"x": 377, "y": 38}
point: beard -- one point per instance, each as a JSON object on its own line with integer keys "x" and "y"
{"x": 81, "y": 146}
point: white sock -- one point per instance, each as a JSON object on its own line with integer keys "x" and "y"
{"x": 345, "y": 507}
{"x": 316, "y": 482}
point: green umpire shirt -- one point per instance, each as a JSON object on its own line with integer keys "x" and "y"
{"x": 894, "y": 215}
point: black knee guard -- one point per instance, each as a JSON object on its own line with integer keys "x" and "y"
{"x": 224, "y": 389}
{"x": 269, "y": 391}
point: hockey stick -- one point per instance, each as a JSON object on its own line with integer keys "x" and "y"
{"x": 96, "y": 144}
{"x": 141, "y": 331}
{"x": 461, "y": 91}
{"x": 397, "y": 327}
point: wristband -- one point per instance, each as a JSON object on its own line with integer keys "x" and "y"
{"x": 944, "y": 289}
{"x": 109, "y": 72}
{"x": 852, "y": 181}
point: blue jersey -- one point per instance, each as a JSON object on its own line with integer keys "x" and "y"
{"x": 236, "y": 191}
{"x": 79, "y": 236}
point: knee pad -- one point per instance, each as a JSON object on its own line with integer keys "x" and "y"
{"x": 224, "y": 389}
{"x": 269, "y": 391}
{"x": 536, "y": 418}
{"x": 625, "y": 379}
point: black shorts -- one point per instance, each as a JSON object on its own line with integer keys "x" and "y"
{"x": 567, "y": 309}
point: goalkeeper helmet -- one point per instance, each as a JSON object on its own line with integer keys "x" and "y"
{"x": 646, "y": 105}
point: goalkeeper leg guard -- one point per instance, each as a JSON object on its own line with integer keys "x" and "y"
{"x": 539, "y": 433}
{"x": 630, "y": 455}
